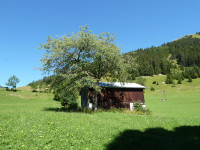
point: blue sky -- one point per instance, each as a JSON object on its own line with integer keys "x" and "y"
{"x": 137, "y": 23}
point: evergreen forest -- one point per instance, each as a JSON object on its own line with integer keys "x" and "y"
{"x": 180, "y": 57}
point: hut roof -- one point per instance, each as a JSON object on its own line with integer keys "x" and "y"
{"x": 121, "y": 85}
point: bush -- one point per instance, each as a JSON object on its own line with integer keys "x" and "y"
{"x": 173, "y": 84}
{"x": 133, "y": 77}
{"x": 141, "y": 80}
{"x": 73, "y": 106}
{"x": 179, "y": 81}
{"x": 138, "y": 106}
{"x": 148, "y": 111}
{"x": 154, "y": 82}
{"x": 189, "y": 79}
{"x": 139, "y": 109}
{"x": 197, "y": 70}
{"x": 152, "y": 89}
{"x": 191, "y": 72}
{"x": 178, "y": 75}
{"x": 66, "y": 95}
{"x": 169, "y": 79}
{"x": 33, "y": 86}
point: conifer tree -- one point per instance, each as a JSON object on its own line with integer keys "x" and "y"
{"x": 189, "y": 79}
{"x": 169, "y": 79}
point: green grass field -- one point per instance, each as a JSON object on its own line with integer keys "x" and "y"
{"x": 25, "y": 122}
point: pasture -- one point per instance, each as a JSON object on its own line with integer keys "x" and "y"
{"x": 27, "y": 122}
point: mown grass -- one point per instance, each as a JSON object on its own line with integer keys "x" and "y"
{"x": 25, "y": 122}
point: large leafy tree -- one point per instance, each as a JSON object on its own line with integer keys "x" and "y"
{"x": 81, "y": 60}
{"x": 12, "y": 81}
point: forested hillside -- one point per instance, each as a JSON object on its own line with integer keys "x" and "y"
{"x": 178, "y": 59}
{"x": 181, "y": 55}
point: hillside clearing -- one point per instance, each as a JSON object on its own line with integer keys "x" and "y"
{"x": 174, "y": 124}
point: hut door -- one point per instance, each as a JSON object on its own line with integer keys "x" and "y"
{"x": 84, "y": 97}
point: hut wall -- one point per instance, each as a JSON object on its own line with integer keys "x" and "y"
{"x": 117, "y": 97}
{"x": 91, "y": 95}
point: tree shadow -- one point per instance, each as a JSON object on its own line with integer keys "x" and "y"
{"x": 182, "y": 138}
{"x": 61, "y": 109}
{"x": 34, "y": 91}
{"x": 12, "y": 90}
{"x": 70, "y": 109}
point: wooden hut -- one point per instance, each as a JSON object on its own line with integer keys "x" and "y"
{"x": 115, "y": 94}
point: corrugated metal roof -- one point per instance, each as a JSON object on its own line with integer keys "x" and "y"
{"x": 121, "y": 85}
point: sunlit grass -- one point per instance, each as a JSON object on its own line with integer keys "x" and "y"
{"x": 24, "y": 123}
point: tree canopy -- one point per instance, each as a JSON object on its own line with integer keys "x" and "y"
{"x": 81, "y": 59}
{"x": 12, "y": 81}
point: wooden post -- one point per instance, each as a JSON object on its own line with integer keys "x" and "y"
{"x": 84, "y": 97}
{"x": 131, "y": 106}
{"x": 95, "y": 100}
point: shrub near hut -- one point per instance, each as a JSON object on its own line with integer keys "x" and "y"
{"x": 139, "y": 109}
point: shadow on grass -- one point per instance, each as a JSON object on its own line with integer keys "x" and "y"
{"x": 11, "y": 90}
{"x": 69, "y": 109}
{"x": 62, "y": 109}
{"x": 182, "y": 138}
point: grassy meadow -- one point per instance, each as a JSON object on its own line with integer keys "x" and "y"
{"x": 27, "y": 122}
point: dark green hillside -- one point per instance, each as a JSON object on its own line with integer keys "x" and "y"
{"x": 186, "y": 51}
{"x": 179, "y": 54}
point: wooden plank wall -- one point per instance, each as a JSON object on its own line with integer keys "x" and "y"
{"x": 117, "y": 97}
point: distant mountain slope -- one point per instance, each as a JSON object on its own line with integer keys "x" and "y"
{"x": 178, "y": 54}
{"x": 197, "y": 35}
{"x": 186, "y": 50}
